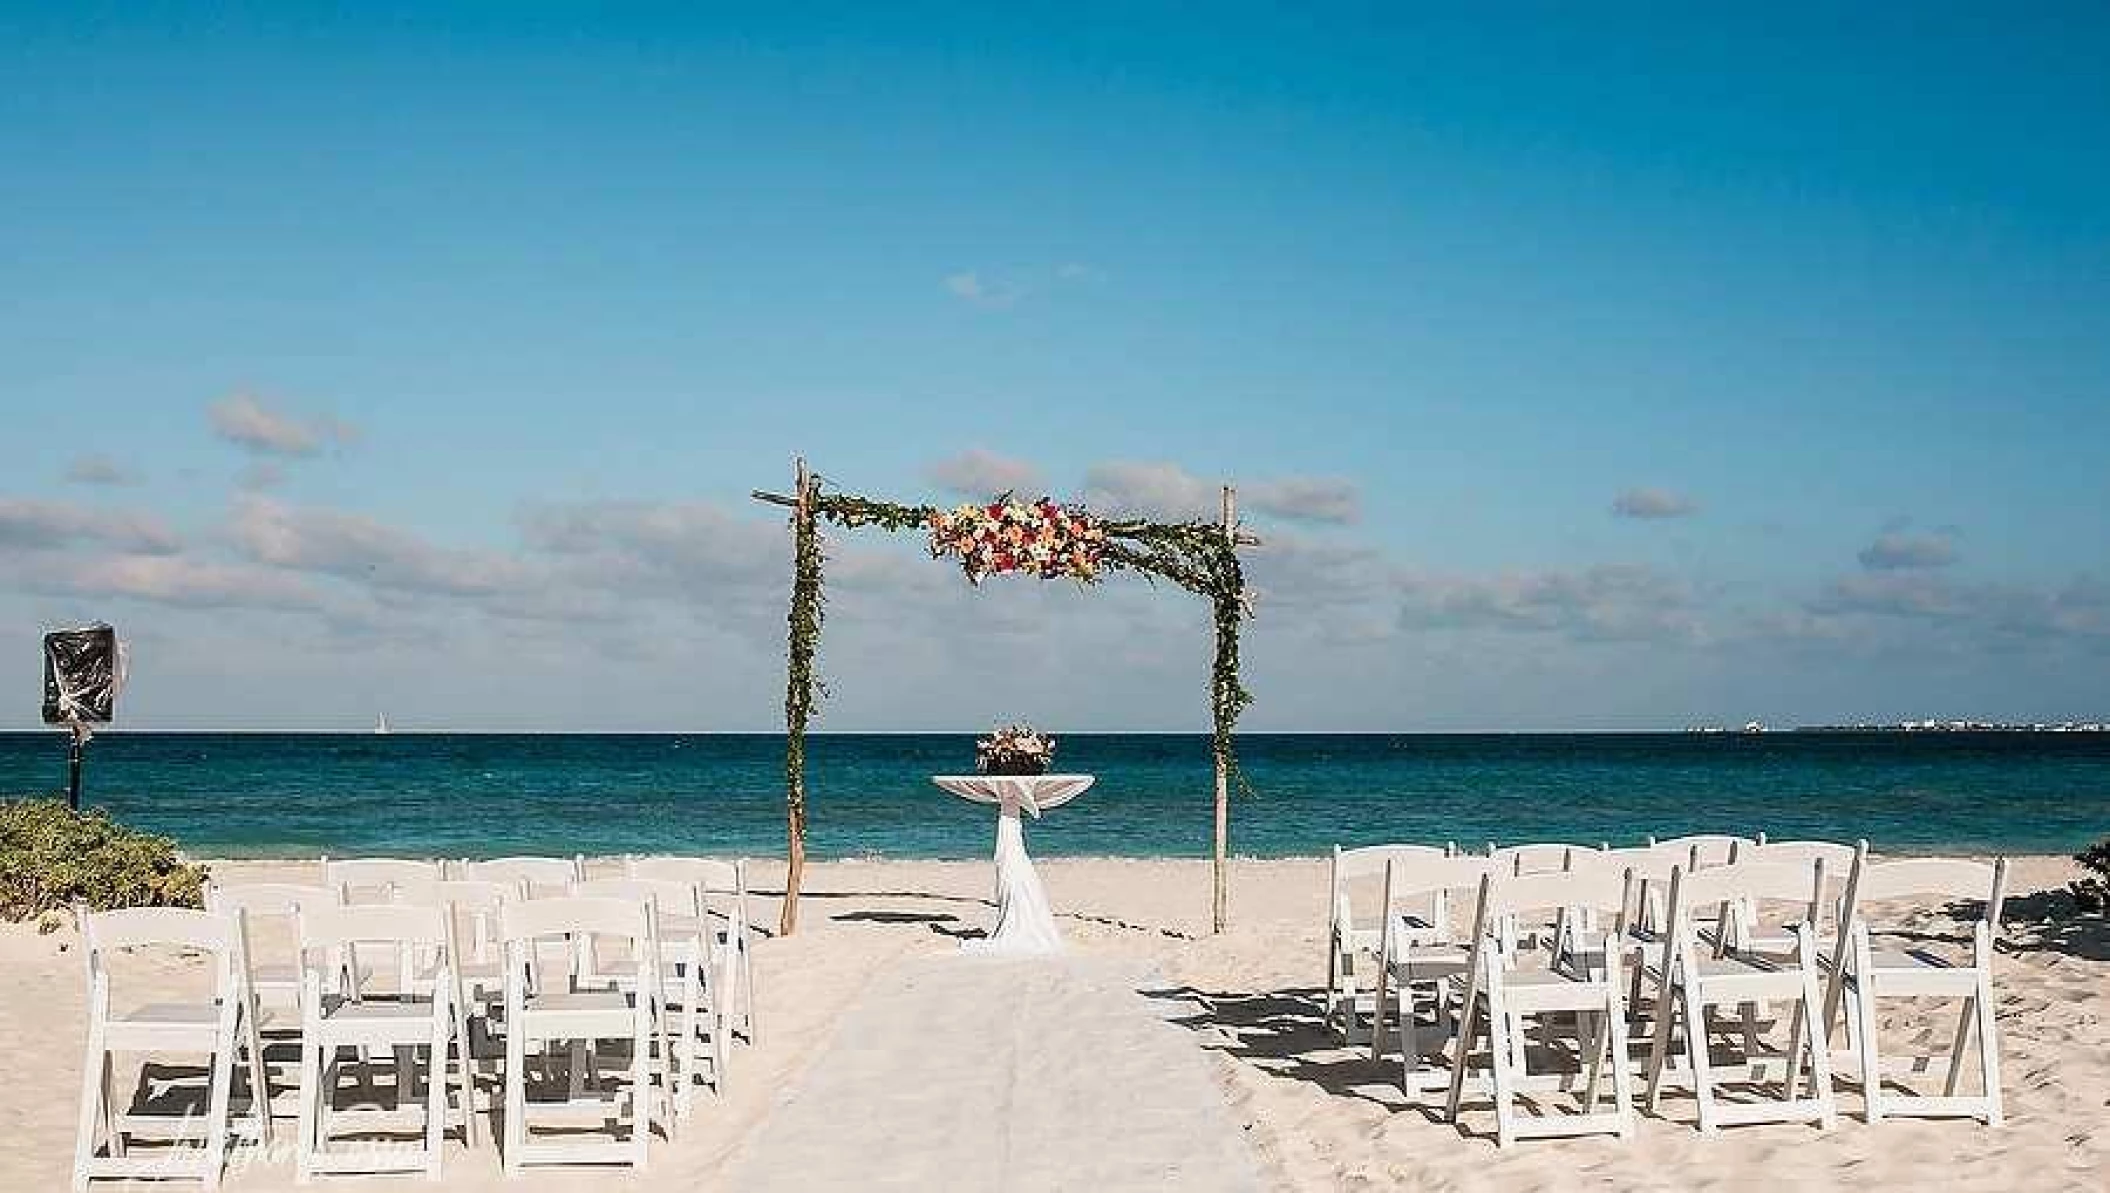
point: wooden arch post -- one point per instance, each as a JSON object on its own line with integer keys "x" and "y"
{"x": 1220, "y": 906}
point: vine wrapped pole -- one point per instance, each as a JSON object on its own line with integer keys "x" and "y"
{"x": 1220, "y": 912}
{"x": 798, "y": 689}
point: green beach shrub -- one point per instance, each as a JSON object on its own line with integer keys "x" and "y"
{"x": 2093, "y": 894}
{"x": 51, "y": 855}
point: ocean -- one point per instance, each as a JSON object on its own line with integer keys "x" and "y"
{"x": 466, "y": 795}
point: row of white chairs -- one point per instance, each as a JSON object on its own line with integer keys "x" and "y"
{"x": 401, "y": 955}
{"x": 1637, "y": 938}
{"x": 1354, "y": 925}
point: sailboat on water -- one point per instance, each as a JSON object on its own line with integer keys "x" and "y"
{"x": 381, "y": 725}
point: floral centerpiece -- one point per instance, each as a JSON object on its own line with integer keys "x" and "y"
{"x": 1040, "y": 538}
{"x": 1014, "y": 750}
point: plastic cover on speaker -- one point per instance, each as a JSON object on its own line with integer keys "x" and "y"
{"x": 82, "y": 673}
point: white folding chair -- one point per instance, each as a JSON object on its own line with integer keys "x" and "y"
{"x": 401, "y": 1021}
{"x": 372, "y": 879}
{"x": 686, "y": 955}
{"x": 544, "y": 876}
{"x": 722, "y": 884}
{"x": 1355, "y": 928}
{"x": 1690, "y": 975}
{"x": 1539, "y": 857}
{"x": 553, "y": 1010}
{"x": 1916, "y": 969}
{"x": 220, "y": 1025}
{"x": 1581, "y": 979}
{"x": 1707, "y": 849}
{"x": 1418, "y": 957}
{"x": 271, "y": 909}
{"x": 477, "y": 967}
{"x": 1827, "y": 917}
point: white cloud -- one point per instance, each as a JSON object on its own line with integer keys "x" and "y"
{"x": 978, "y": 472}
{"x": 1653, "y": 503}
{"x": 31, "y": 523}
{"x": 1600, "y": 602}
{"x": 99, "y": 470}
{"x": 1897, "y": 551}
{"x": 358, "y": 548}
{"x": 1164, "y": 490}
{"x": 177, "y": 580}
{"x": 969, "y": 286}
{"x": 250, "y": 424}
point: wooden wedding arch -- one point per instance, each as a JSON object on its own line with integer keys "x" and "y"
{"x": 1201, "y": 557}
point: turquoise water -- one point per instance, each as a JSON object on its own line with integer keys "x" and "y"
{"x": 462, "y": 795}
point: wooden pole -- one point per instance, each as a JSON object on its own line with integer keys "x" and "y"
{"x": 1221, "y": 907}
{"x": 795, "y": 712}
{"x": 73, "y": 766}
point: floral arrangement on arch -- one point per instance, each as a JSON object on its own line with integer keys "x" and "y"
{"x": 1040, "y": 538}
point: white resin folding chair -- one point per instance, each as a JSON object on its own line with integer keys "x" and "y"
{"x": 219, "y": 1026}
{"x": 1691, "y": 975}
{"x": 722, "y": 884}
{"x": 473, "y": 905}
{"x": 1355, "y": 922}
{"x": 1707, "y": 849}
{"x": 477, "y": 966}
{"x": 372, "y": 879}
{"x": 1418, "y": 958}
{"x": 553, "y": 1010}
{"x": 1915, "y": 969}
{"x": 401, "y": 1021}
{"x": 1541, "y": 857}
{"x": 1828, "y": 917}
{"x": 686, "y": 952}
{"x": 544, "y": 876}
{"x": 1581, "y": 979}
{"x": 272, "y": 909}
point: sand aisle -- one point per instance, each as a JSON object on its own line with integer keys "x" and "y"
{"x": 976, "y": 1073}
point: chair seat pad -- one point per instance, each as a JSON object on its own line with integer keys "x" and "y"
{"x": 581, "y": 1000}
{"x": 171, "y": 1014}
{"x": 338, "y": 1009}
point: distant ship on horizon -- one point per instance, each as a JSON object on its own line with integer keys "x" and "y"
{"x": 381, "y": 724}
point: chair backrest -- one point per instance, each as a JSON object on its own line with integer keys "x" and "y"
{"x": 585, "y": 923}
{"x": 370, "y": 879}
{"x": 470, "y": 902}
{"x": 543, "y": 875}
{"x": 671, "y": 896}
{"x": 1838, "y": 858}
{"x": 721, "y": 883}
{"x": 329, "y": 935}
{"x": 1746, "y": 884}
{"x": 326, "y": 928}
{"x": 1365, "y": 866}
{"x": 1543, "y": 857}
{"x": 1953, "y": 878}
{"x": 269, "y": 899}
{"x": 168, "y": 927}
{"x": 1409, "y": 878}
{"x": 219, "y": 934}
{"x": 1706, "y": 849}
{"x": 1843, "y": 865}
{"x": 1510, "y": 894}
{"x": 574, "y": 915}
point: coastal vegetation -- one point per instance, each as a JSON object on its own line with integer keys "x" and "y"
{"x": 52, "y": 856}
{"x": 2093, "y": 893}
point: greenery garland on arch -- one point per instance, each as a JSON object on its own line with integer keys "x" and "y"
{"x": 1200, "y": 557}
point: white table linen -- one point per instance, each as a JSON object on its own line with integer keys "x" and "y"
{"x": 1025, "y": 924}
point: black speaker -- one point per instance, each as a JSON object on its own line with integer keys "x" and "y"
{"x": 80, "y": 676}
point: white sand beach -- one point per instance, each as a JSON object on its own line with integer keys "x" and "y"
{"x": 1154, "y": 1056}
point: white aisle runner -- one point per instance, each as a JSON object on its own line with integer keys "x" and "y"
{"x": 985, "y": 1073}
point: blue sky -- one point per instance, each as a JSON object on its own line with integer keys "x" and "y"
{"x": 422, "y": 357}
